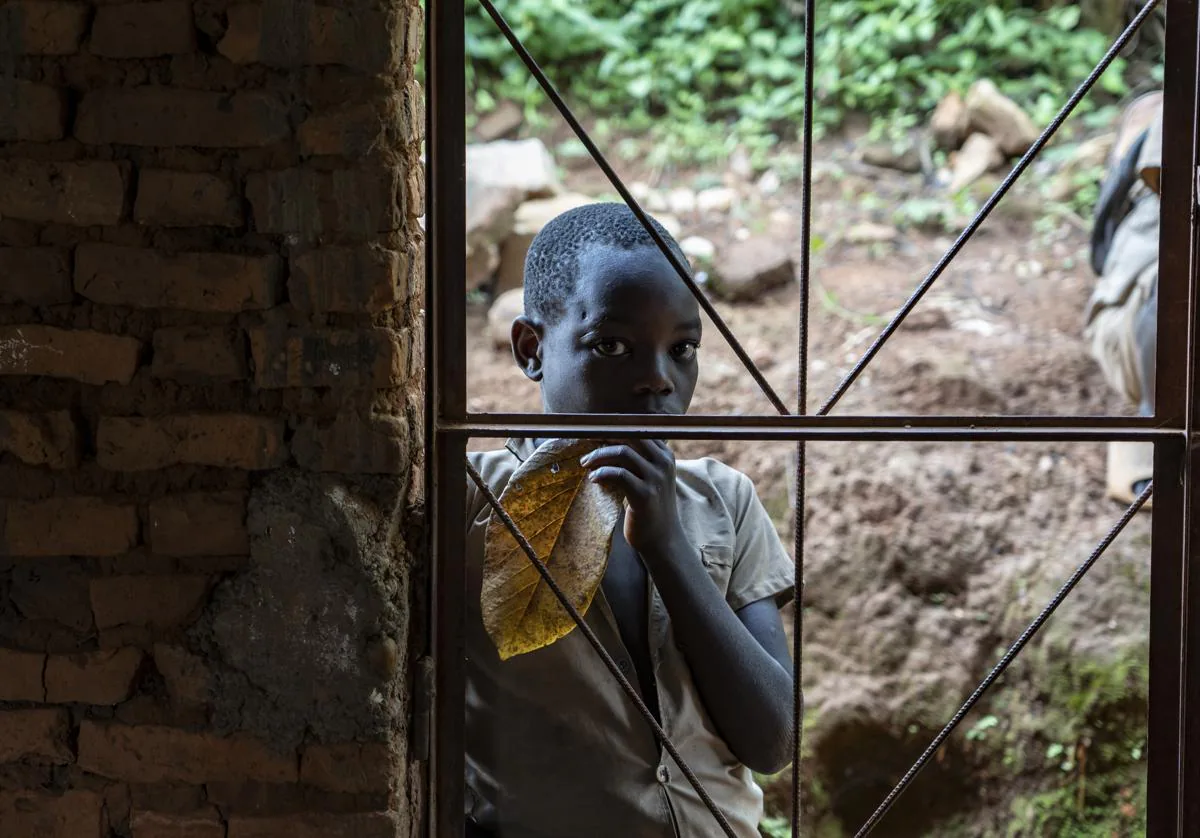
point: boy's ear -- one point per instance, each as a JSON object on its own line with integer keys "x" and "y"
{"x": 527, "y": 347}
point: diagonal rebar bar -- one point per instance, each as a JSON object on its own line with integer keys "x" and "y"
{"x": 802, "y": 409}
{"x": 680, "y": 268}
{"x": 1004, "y": 662}
{"x": 986, "y": 210}
{"x": 659, "y": 734}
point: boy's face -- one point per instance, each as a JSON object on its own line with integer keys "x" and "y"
{"x": 625, "y": 343}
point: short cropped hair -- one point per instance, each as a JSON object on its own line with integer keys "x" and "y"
{"x": 552, "y": 264}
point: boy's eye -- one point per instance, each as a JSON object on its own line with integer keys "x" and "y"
{"x": 610, "y": 348}
{"x": 685, "y": 351}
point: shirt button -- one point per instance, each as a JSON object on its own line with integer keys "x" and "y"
{"x": 663, "y": 774}
{"x": 625, "y": 666}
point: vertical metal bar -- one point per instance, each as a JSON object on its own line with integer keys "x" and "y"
{"x": 1164, "y": 720}
{"x": 1172, "y": 745}
{"x": 802, "y": 409}
{"x": 445, "y": 323}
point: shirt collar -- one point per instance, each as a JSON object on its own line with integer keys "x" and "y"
{"x": 521, "y": 448}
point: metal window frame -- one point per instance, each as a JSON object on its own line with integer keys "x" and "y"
{"x": 1173, "y": 751}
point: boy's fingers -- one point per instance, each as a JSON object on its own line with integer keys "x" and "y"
{"x": 628, "y": 483}
{"x": 617, "y": 455}
{"x": 654, "y": 450}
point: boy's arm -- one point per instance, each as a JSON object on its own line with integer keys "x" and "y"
{"x": 740, "y": 661}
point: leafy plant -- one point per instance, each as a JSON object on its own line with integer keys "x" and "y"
{"x": 700, "y": 77}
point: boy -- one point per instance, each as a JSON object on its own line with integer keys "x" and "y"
{"x": 689, "y": 604}
{"x": 1122, "y": 315}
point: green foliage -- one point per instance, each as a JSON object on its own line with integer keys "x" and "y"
{"x": 704, "y": 75}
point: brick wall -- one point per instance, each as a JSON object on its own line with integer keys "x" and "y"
{"x": 210, "y": 266}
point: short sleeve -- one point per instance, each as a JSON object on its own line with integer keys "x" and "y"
{"x": 761, "y": 565}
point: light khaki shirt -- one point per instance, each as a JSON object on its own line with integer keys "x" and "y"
{"x": 554, "y": 746}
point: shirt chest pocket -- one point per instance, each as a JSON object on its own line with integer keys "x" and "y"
{"x": 718, "y": 561}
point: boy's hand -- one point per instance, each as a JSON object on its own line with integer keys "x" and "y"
{"x": 643, "y": 472}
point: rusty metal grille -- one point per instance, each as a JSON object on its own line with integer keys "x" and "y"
{"x": 1173, "y": 797}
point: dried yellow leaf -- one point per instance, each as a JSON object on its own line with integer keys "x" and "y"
{"x": 569, "y": 522}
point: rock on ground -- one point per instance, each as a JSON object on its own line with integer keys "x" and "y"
{"x": 698, "y": 249}
{"x": 501, "y": 176}
{"x": 750, "y": 267}
{"x": 991, "y": 112}
{"x": 902, "y": 155}
{"x": 978, "y": 156}
{"x": 500, "y": 123}
{"x": 505, "y": 309}
{"x": 528, "y": 221}
{"x": 950, "y": 121}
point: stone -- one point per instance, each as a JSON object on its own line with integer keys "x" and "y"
{"x": 870, "y": 233}
{"x": 524, "y": 166}
{"x": 716, "y": 199}
{"x": 769, "y": 183}
{"x": 500, "y": 123}
{"x": 528, "y": 221}
{"x": 950, "y": 121}
{"x": 751, "y": 267}
{"x": 681, "y": 201}
{"x": 902, "y": 155}
{"x": 505, "y": 309}
{"x": 978, "y": 156}
{"x": 501, "y": 176}
{"x": 698, "y": 249}
{"x": 991, "y": 112}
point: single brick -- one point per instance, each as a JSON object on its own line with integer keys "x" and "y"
{"x": 40, "y": 439}
{"x": 356, "y": 825}
{"x": 360, "y": 201}
{"x": 55, "y": 590}
{"x": 350, "y": 131}
{"x": 201, "y": 823}
{"x": 105, "y": 677}
{"x": 139, "y": 278}
{"x": 187, "y": 676}
{"x": 77, "y": 526}
{"x": 81, "y": 194}
{"x": 33, "y": 814}
{"x": 22, "y": 679}
{"x": 193, "y": 352}
{"x": 412, "y": 113}
{"x": 143, "y": 30}
{"x": 222, "y": 440}
{"x": 167, "y": 116}
{"x": 362, "y": 358}
{"x": 185, "y": 199}
{"x": 36, "y": 276}
{"x": 31, "y": 112}
{"x": 37, "y": 27}
{"x": 41, "y": 734}
{"x": 355, "y": 767}
{"x": 349, "y": 280}
{"x": 199, "y": 525}
{"x": 160, "y": 602}
{"x": 353, "y": 445}
{"x": 90, "y": 357}
{"x": 154, "y": 754}
{"x": 361, "y": 38}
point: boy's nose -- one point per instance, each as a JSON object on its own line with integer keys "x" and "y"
{"x": 655, "y": 380}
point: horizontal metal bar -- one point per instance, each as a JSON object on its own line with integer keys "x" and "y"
{"x": 792, "y": 428}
